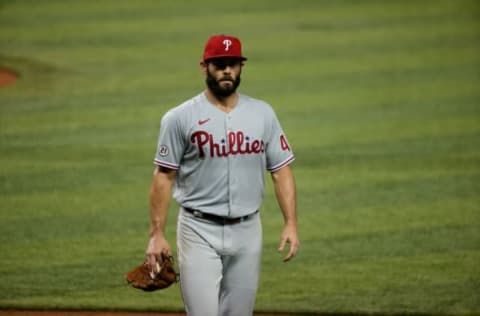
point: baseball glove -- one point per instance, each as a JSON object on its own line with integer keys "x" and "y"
{"x": 142, "y": 278}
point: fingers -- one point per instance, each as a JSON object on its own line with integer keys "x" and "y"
{"x": 155, "y": 260}
{"x": 156, "y": 250}
{"x": 151, "y": 262}
{"x": 155, "y": 263}
{"x": 294, "y": 246}
{"x": 292, "y": 252}
{"x": 167, "y": 252}
{"x": 283, "y": 241}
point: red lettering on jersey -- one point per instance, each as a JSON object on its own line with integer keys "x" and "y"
{"x": 201, "y": 138}
{"x": 283, "y": 143}
{"x": 219, "y": 150}
{"x": 238, "y": 143}
{"x": 232, "y": 140}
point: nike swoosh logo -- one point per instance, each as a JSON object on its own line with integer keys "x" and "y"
{"x": 201, "y": 122}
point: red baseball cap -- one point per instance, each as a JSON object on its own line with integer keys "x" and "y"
{"x": 223, "y": 46}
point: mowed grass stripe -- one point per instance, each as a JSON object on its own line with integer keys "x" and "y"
{"x": 399, "y": 84}
{"x": 104, "y": 33}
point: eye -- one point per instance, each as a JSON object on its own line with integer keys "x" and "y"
{"x": 222, "y": 64}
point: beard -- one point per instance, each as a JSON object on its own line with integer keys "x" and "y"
{"x": 222, "y": 91}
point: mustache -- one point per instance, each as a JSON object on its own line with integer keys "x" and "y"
{"x": 226, "y": 78}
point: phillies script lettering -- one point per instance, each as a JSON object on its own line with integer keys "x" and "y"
{"x": 238, "y": 144}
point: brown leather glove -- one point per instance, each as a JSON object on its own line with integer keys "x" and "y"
{"x": 142, "y": 278}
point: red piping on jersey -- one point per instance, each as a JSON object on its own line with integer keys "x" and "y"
{"x": 166, "y": 164}
{"x": 282, "y": 164}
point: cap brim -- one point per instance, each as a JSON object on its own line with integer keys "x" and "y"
{"x": 225, "y": 56}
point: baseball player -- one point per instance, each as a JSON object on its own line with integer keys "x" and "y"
{"x": 212, "y": 154}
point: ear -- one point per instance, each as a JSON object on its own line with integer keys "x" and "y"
{"x": 203, "y": 67}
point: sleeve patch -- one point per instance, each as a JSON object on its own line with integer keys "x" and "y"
{"x": 163, "y": 151}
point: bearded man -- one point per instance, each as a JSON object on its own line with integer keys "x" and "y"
{"x": 212, "y": 154}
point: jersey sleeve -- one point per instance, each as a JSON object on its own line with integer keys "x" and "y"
{"x": 278, "y": 150}
{"x": 170, "y": 142}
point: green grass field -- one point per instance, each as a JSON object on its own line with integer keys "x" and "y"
{"x": 381, "y": 103}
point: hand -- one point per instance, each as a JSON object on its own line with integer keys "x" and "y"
{"x": 157, "y": 245}
{"x": 289, "y": 236}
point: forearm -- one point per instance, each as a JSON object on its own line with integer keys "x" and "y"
{"x": 160, "y": 197}
{"x": 285, "y": 192}
{"x": 284, "y": 185}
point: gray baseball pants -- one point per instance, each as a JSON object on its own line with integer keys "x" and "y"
{"x": 219, "y": 265}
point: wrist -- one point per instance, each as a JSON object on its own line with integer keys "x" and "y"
{"x": 156, "y": 232}
{"x": 291, "y": 223}
{"x": 157, "y": 225}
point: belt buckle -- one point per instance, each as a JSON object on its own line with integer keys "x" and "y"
{"x": 197, "y": 214}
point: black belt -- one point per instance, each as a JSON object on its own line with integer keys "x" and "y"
{"x": 219, "y": 219}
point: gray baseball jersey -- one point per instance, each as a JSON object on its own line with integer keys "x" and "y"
{"x": 221, "y": 157}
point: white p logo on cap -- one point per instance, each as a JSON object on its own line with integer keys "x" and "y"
{"x": 227, "y": 43}
{"x": 221, "y": 46}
